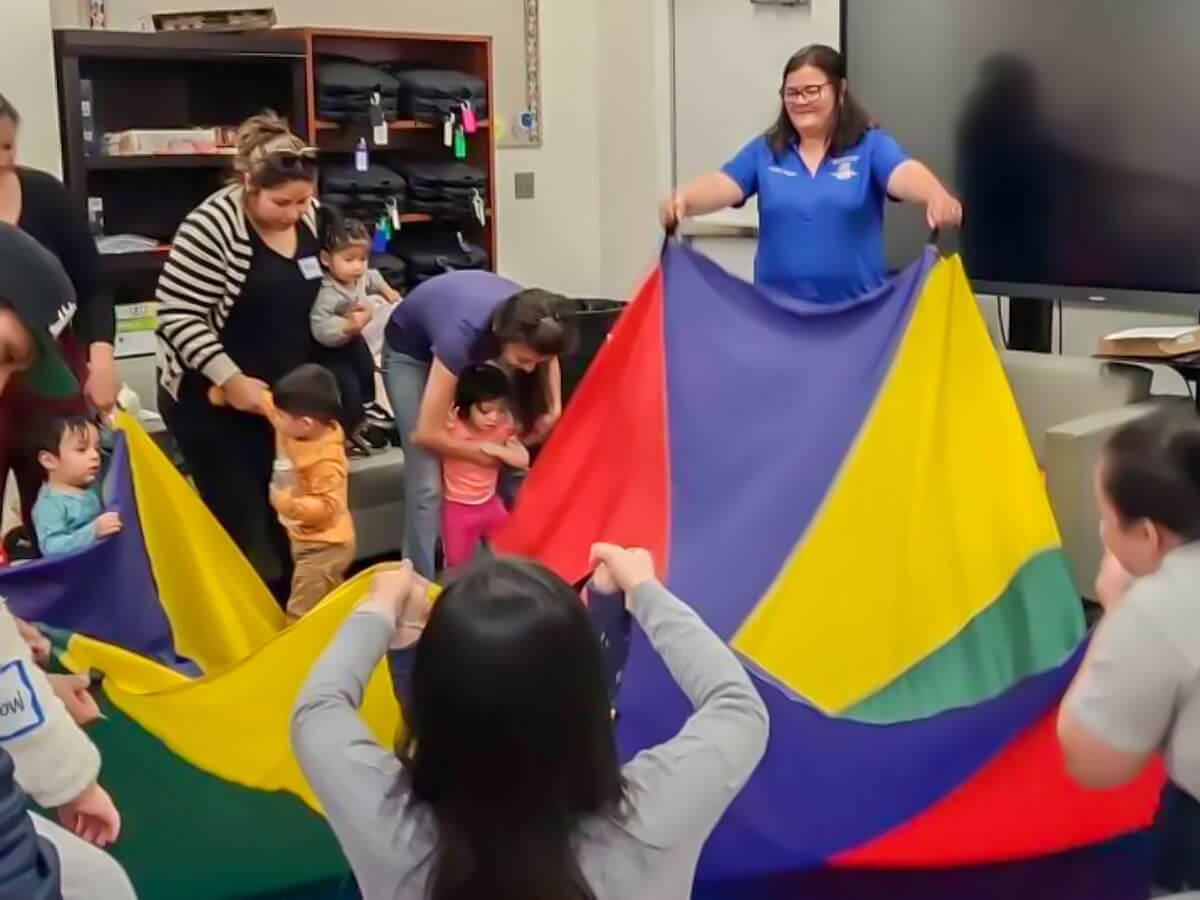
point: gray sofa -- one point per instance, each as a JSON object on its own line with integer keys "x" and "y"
{"x": 377, "y": 503}
{"x": 1070, "y": 406}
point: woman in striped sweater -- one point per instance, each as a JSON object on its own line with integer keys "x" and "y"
{"x": 233, "y": 310}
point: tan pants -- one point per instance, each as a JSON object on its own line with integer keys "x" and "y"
{"x": 319, "y": 568}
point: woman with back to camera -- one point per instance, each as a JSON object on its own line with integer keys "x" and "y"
{"x": 821, "y": 173}
{"x": 234, "y": 300}
{"x": 506, "y": 783}
{"x": 442, "y": 326}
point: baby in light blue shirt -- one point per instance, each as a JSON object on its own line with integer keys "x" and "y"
{"x": 68, "y": 514}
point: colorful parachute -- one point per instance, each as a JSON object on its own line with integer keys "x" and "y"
{"x": 846, "y": 494}
{"x": 212, "y": 801}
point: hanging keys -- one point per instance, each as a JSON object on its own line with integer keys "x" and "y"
{"x": 379, "y": 128}
{"x": 470, "y": 123}
{"x": 478, "y": 205}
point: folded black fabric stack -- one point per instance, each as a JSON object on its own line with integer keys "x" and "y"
{"x": 345, "y": 88}
{"x": 393, "y": 269}
{"x": 452, "y": 191}
{"x": 362, "y": 195}
{"x": 430, "y": 95}
{"x": 432, "y": 253}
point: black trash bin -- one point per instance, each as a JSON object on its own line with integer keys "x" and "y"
{"x": 595, "y": 318}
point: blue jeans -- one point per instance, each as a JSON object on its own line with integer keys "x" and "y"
{"x": 404, "y": 379}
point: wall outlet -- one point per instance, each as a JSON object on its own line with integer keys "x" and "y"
{"x": 524, "y": 185}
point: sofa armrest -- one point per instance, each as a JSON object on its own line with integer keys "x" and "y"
{"x": 1069, "y": 458}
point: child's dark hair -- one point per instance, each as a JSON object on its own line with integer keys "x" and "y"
{"x": 482, "y": 383}
{"x": 338, "y": 232}
{"x": 309, "y": 390}
{"x": 45, "y": 434}
{"x": 1151, "y": 470}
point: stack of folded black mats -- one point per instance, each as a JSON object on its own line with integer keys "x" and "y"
{"x": 452, "y": 191}
{"x": 362, "y": 195}
{"x": 345, "y": 88}
{"x": 432, "y": 253}
{"x": 393, "y": 269}
{"x": 431, "y": 95}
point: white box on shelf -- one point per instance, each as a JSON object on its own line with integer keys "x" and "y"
{"x": 135, "y": 329}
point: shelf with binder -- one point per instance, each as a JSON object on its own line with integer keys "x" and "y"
{"x": 142, "y": 261}
{"x": 111, "y": 82}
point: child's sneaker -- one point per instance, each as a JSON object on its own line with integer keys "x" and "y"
{"x": 356, "y": 448}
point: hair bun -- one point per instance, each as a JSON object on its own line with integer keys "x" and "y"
{"x": 259, "y": 135}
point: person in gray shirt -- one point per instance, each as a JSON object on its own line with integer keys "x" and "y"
{"x": 1137, "y": 692}
{"x": 506, "y": 783}
{"x": 351, "y": 295}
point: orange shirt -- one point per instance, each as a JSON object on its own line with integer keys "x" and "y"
{"x": 468, "y": 482}
{"x": 318, "y": 508}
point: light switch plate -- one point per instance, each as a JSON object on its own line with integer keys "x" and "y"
{"x": 524, "y": 185}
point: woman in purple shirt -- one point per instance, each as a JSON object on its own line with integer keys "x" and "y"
{"x": 441, "y": 327}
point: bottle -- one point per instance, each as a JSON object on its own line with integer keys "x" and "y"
{"x": 362, "y": 157}
{"x": 283, "y": 474}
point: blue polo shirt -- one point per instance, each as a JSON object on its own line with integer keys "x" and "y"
{"x": 820, "y": 236}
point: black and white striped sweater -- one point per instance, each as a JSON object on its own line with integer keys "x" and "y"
{"x": 201, "y": 281}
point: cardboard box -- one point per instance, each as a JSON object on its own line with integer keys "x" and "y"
{"x": 1152, "y": 343}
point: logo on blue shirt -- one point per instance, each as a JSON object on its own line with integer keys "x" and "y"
{"x": 843, "y": 167}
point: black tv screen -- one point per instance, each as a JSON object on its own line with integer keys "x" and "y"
{"x": 1071, "y": 129}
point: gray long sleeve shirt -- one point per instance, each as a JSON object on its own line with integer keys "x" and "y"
{"x": 677, "y": 790}
{"x": 334, "y": 301}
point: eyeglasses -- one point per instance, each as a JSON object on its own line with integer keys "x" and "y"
{"x": 810, "y": 93}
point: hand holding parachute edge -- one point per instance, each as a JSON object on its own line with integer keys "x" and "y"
{"x": 618, "y": 568}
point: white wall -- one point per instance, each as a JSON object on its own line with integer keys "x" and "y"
{"x": 27, "y": 79}
{"x": 552, "y": 241}
{"x": 634, "y": 133}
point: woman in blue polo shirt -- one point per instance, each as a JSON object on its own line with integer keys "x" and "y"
{"x": 821, "y": 173}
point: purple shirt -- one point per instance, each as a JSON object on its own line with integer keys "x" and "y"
{"x": 446, "y": 316}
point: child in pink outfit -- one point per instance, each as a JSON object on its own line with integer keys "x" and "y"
{"x": 472, "y": 511}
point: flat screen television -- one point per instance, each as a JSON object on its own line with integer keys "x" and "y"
{"x": 1071, "y": 129}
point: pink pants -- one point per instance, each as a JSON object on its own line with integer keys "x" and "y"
{"x": 465, "y": 525}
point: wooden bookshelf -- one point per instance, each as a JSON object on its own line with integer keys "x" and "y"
{"x": 167, "y": 80}
{"x": 410, "y": 140}
{"x": 179, "y": 80}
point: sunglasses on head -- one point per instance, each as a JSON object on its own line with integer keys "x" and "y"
{"x": 289, "y": 160}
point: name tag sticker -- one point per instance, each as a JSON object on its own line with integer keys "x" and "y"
{"x": 20, "y": 712}
{"x": 310, "y": 268}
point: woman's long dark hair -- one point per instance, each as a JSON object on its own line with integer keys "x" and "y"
{"x": 540, "y": 320}
{"x": 851, "y": 120}
{"x": 508, "y": 734}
